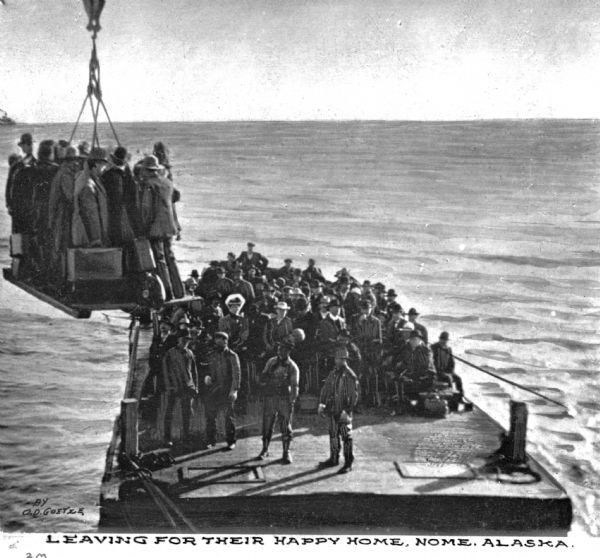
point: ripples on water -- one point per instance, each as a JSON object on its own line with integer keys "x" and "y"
{"x": 489, "y": 228}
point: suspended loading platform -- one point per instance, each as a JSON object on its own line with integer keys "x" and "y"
{"x": 411, "y": 475}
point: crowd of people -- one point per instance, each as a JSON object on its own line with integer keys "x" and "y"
{"x": 246, "y": 329}
{"x": 82, "y": 197}
{"x": 254, "y": 330}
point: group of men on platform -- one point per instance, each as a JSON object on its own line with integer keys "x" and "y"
{"x": 355, "y": 340}
{"x": 71, "y": 197}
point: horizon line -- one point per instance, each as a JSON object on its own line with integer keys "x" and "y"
{"x": 328, "y": 121}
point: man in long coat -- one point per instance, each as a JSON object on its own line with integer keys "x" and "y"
{"x": 90, "y": 211}
{"x": 60, "y": 210}
{"x": 19, "y": 194}
{"x": 160, "y": 220}
{"x": 121, "y": 194}
{"x": 180, "y": 377}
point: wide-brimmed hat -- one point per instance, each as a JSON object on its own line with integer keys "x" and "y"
{"x": 235, "y": 299}
{"x": 222, "y": 335}
{"x": 194, "y": 274}
{"x": 150, "y": 162}
{"x": 282, "y": 305}
{"x": 413, "y": 312}
{"x": 391, "y": 292}
{"x": 26, "y": 139}
{"x": 408, "y": 327}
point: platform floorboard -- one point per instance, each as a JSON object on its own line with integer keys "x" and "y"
{"x": 411, "y": 474}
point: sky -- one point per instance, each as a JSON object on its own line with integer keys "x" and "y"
{"x": 174, "y": 60}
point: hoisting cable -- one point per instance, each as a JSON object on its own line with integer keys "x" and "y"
{"x": 94, "y": 90}
{"x": 515, "y": 384}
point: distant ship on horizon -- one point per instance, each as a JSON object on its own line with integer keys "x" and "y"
{"x": 6, "y": 120}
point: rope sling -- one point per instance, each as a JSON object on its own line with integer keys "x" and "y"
{"x": 94, "y": 90}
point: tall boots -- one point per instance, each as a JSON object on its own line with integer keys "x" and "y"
{"x": 287, "y": 456}
{"x": 334, "y": 455}
{"x": 348, "y": 457}
{"x": 265, "y": 449}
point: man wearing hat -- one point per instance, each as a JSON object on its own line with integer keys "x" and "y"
{"x": 235, "y": 324}
{"x": 42, "y": 175}
{"x": 393, "y": 328}
{"x": 121, "y": 192}
{"x": 337, "y": 400}
{"x": 212, "y": 314}
{"x": 160, "y": 224}
{"x": 443, "y": 359}
{"x": 369, "y": 338}
{"x": 17, "y": 192}
{"x": 287, "y": 271}
{"x": 164, "y": 340}
{"x": 412, "y": 318}
{"x": 60, "y": 211}
{"x": 416, "y": 371}
{"x": 242, "y": 287}
{"x": 223, "y": 285}
{"x": 312, "y": 272}
{"x": 279, "y": 382}
{"x": 180, "y": 377}
{"x": 208, "y": 280}
{"x": 191, "y": 283}
{"x": 90, "y": 210}
{"x": 222, "y": 382}
{"x": 277, "y": 328}
{"x": 328, "y": 331}
{"x": 250, "y": 257}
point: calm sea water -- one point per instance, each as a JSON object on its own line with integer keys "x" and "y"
{"x": 490, "y": 229}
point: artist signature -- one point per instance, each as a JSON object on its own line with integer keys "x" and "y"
{"x": 40, "y": 507}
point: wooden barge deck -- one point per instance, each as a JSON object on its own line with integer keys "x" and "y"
{"x": 412, "y": 475}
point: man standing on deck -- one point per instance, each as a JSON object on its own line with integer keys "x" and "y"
{"x": 223, "y": 383}
{"x": 277, "y": 328}
{"x": 369, "y": 339}
{"x": 279, "y": 381}
{"x": 18, "y": 196}
{"x": 338, "y": 398}
{"x": 242, "y": 287}
{"x": 312, "y": 272}
{"x": 180, "y": 377}
{"x": 250, "y": 257}
{"x": 161, "y": 223}
{"x": 224, "y": 285}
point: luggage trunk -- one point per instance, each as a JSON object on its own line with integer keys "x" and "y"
{"x": 94, "y": 264}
